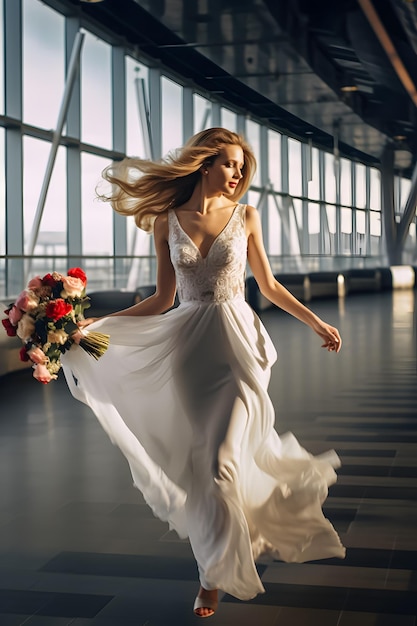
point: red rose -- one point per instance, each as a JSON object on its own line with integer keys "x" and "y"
{"x": 57, "y": 308}
{"x": 77, "y": 272}
{"x": 23, "y": 354}
{"x": 8, "y": 327}
{"x": 49, "y": 281}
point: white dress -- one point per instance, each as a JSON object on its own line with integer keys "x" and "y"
{"x": 172, "y": 387}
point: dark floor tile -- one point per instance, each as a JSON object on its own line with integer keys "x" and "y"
{"x": 401, "y": 437}
{"x": 404, "y": 471}
{"x": 75, "y": 605}
{"x": 385, "y": 601}
{"x": 12, "y": 620}
{"x": 123, "y": 565}
{"x": 364, "y": 470}
{"x": 23, "y": 601}
{"x": 52, "y": 604}
{"x": 366, "y": 453}
{"x": 314, "y": 597}
{"x": 373, "y": 492}
{"x": 340, "y": 518}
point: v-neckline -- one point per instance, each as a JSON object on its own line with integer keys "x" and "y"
{"x": 214, "y": 240}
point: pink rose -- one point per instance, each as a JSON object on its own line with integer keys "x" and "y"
{"x": 73, "y": 286}
{"x": 40, "y": 372}
{"x": 36, "y": 355}
{"x": 25, "y": 327}
{"x": 35, "y": 283}
{"x": 27, "y": 301}
{"x": 15, "y": 315}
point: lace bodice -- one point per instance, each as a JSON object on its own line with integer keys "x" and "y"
{"x": 217, "y": 277}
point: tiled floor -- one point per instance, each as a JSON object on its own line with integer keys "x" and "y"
{"x": 79, "y": 546}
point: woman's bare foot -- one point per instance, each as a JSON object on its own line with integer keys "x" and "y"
{"x": 206, "y": 602}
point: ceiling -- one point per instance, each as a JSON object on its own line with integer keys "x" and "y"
{"x": 312, "y": 68}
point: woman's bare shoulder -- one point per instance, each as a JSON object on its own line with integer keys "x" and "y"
{"x": 251, "y": 213}
{"x": 160, "y": 225}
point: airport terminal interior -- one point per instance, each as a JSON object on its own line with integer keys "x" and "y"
{"x": 325, "y": 93}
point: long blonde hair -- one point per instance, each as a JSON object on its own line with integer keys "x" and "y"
{"x": 145, "y": 188}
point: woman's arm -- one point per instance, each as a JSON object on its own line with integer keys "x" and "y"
{"x": 164, "y": 295}
{"x": 277, "y": 293}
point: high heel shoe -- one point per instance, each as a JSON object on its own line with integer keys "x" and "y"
{"x": 205, "y": 603}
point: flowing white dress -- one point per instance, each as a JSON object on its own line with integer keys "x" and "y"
{"x": 172, "y": 388}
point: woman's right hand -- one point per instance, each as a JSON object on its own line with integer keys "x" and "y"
{"x": 87, "y": 322}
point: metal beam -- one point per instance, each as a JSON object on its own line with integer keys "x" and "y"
{"x": 389, "y": 48}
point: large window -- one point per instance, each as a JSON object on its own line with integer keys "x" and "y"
{"x": 330, "y": 173}
{"x": 97, "y": 216}
{"x": 43, "y": 64}
{"x": 312, "y": 204}
{"x": 360, "y": 186}
{"x": 171, "y": 115}
{"x": 253, "y": 137}
{"x": 274, "y": 156}
{"x": 202, "y": 113}
{"x": 52, "y": 237}
{"x": 1, "y": 60}
{"x": 96, "y": 109}
{"x": 228, "y": 119}
{"x": 294, "y": 167}
{"x": 136, "y": 101}
{"x": 2, "y": 197}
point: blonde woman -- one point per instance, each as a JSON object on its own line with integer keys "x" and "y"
{"x": 184, "y": 394}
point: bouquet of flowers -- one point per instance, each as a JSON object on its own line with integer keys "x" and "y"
{"x": 45, "y": 315}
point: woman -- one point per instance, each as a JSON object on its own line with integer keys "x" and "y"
{"x": 184, "y": 394}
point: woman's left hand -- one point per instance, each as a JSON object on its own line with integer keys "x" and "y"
{"x": 330, "y": 336}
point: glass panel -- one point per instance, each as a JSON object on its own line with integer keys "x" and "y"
{"x": 171, "y": 94}
{"x": 375, "y": 189}
{"x": 274, "y": 155}
{"x": 97, "y": 216}
{"x": 96, "y": 85}
{"x": 405, "y": 186}
{"x": 228, "y": 119}
{"x": 253, "y": 137}
{"x": 412, "y": 236}
{"x": 375, "y": 224}
{"x": 298, "y": 210}
{"x": 52, "y": 238}
{"x": 360, "y": 222}
{"x": 140, "y": 267}
{"x": 314, "y": 184}
{"x": 331, "y": 218}
{"x": 294, "y": 167}
{"x": 1, "y": 60}
{"x": 313, "y": 218}
{"x": 275, "y": 235}
{"x": 2, "y": 197}
{"x": 346, "y": 220}
{"x": 345, "y": 182}
{"x": 43, "y": 64}
{"x": 329, "y": 177}
{"x": 360, "y": 185}
{"x": 135, "y": 145}
{"x": 202, "y": 113}
{"x": 253, "y": 197}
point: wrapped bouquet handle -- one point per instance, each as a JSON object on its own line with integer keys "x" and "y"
{"x": 91, "y": 341}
